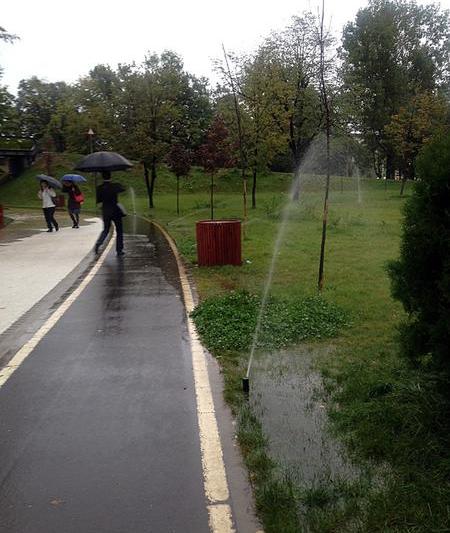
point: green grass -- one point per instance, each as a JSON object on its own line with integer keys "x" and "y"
{"x": 229, "y": 322}
{"x": 389, "y": 414}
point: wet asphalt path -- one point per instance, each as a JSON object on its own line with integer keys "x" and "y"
{"x": 98, "y": 427}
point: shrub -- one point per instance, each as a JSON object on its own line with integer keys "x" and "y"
{"x": 421, "y": 277}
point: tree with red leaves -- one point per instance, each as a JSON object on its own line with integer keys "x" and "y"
{"x": 216, "y": 152}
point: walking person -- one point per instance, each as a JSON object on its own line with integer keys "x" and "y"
{"x": 74, "y": 203}
{"x": 47, "y": 195}
{"x": 107, "y": 195}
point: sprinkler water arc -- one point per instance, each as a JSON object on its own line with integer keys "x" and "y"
{"x": 278, "y": 241}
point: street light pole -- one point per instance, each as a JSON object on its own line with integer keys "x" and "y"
{"x": 91, "y": 137}
{"x": 91, "y": 134}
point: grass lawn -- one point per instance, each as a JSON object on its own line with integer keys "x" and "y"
{"x": 388, "y": 414}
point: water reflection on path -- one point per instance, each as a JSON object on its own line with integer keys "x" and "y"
{"x": 288, "y": 397}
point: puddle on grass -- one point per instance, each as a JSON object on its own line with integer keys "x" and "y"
{"x": 287, "y": 395}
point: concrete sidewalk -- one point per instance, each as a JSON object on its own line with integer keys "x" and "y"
{"x": 33, "y": 262}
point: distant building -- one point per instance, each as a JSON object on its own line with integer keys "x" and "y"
{"x": 16, "y": 155}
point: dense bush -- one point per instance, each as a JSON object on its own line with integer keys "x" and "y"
{"x": 421, "y": 277}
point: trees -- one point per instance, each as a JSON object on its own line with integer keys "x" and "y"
{"x": 9, "y": 119}
{"x": 158, "y": 87}
{"x": 37, "y": 102}
{"x": 416, "y": 122}
{"x": 279, "y": 97}
{"x": 159, "y": 104}
{"x": 393, "y": 50}
{"x": 421, "y": 277}
{"x": 289, "y": 62}
{"x": 263, "y": 140}
{"x": 8, "y": 114}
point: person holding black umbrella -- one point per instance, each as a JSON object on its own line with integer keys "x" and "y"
{"x": 107, "y": 192}
{"x": 47, "y": 194}
{"x": 107, "y": 195}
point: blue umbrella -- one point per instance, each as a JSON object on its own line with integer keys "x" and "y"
{"x": 73, "y": 177}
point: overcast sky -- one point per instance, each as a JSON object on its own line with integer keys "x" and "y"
{"x": 64, "y": 40}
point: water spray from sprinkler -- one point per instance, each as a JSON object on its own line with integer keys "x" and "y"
{"x": 279, "y": 240}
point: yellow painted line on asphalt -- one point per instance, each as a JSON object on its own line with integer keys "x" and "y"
{"x": 214, "y": 476}
{"x": 29, "y": 346}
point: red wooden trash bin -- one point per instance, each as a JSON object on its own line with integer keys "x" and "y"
{"x": 218, "y": 242}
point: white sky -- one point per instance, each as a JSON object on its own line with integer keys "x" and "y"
{"x": 61, "y": 41}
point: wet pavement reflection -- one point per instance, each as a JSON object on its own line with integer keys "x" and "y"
{"x": 99, "y": 425}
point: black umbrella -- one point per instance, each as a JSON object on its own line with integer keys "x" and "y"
{"x": 53, "y": 182}
{"x": 103, "y": 161}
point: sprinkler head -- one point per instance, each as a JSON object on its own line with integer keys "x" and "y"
{"x": 246, "y": 385}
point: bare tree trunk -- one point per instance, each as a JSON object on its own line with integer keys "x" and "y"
{"x": 390, "y": 170}
{"x": 212, "y": 196}
{"x": 240, "y": 134}
{"x": 152, "y": 183}
{"x": 254, "y": 188}
{"x": 147, "y": 184}
{"x": 244, "y": 192}
{"x": 178, "y": 195}
{"x": 404, "y": 180}
{"x": 328, "y": 135}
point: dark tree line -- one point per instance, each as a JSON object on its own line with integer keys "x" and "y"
{"x": 389, "y": 89}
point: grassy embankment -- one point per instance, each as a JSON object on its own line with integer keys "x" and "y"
{"x": 387, "y": 413}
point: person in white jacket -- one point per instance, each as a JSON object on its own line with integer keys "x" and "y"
{"x": 47, "y": 194}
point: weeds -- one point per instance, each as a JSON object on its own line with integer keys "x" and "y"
{"x": 229, "y": 322}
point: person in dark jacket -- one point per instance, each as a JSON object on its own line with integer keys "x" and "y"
{"x": 73, "y": 206}
{"x": 107, "y": 194}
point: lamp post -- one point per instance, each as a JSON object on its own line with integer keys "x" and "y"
{"x": 90, "y": 133}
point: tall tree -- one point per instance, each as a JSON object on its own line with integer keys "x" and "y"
{"x": 158, "y": 111}
{"x": 244, "y": 95}
{"x": 9, "y": 118}
{"x": 242, "y": 141}
{"x": 37, "y": 101}
{"x": 8, "y": 114}
{"x": 159, "y": 104}
{"x": 264, "y": 141}
{"x": 392, "y": 50}
{"x": 289, "y": 62}
{"x": 324, "y": 74}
